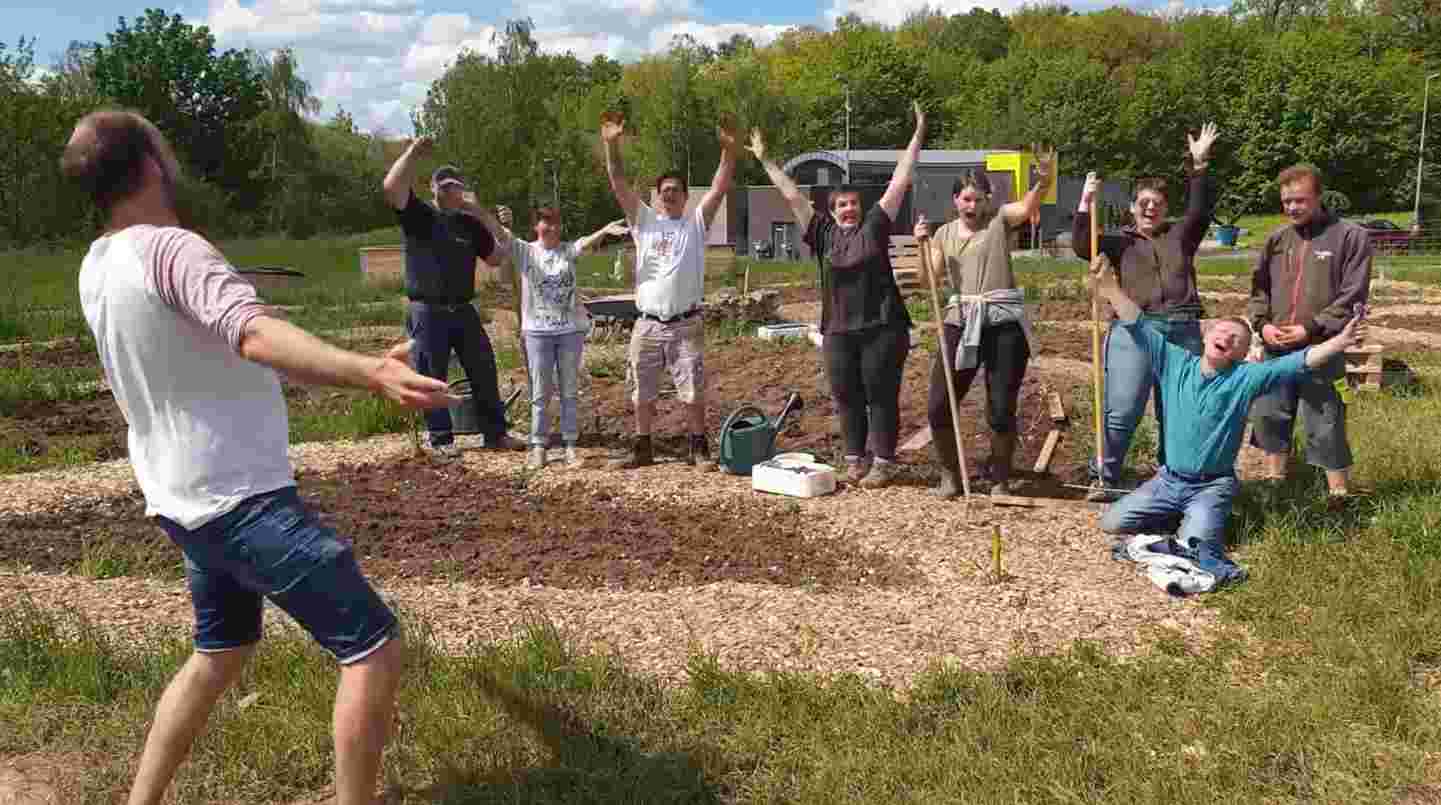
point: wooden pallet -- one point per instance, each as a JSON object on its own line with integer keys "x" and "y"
{"x": 1060, "y": 422}
{"x": 1366, "y": 365}
{"x": 906, "y": 264}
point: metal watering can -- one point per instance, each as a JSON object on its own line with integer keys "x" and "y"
{"x": 748, "y": 437}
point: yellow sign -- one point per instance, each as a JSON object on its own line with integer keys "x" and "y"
{"x": 1019, "y": 164}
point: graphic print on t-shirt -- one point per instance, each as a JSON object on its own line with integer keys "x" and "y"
{"x": 552, "y": 286}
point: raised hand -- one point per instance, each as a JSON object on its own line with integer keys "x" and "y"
{"x": 1353, "y": 333}
{"x": 758, "y": 145}
{"x": 726, "y": 132}
{"x": 617, "y": 229}
{"x": 1102, "y": 276}
{"x": 1201, "y": 146}
{"x": 504, "y": 215}
{"x": 612, "y": 126}
{"x": 1045, "y": 162}
{"x": 422, "y": 146}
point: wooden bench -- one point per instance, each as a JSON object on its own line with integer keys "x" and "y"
{"x": 906, "y": 264}
{"x": 1366, "y": 365}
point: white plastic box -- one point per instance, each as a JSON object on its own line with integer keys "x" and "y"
{"x": 774, "y": 332}
{"x": 794, "y": 478}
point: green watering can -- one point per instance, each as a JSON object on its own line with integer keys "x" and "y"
{"x": 748, "y": 437}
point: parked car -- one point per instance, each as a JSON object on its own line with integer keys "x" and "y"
{"x": 763, "y": 249}
{"x": 1387, "y": 237}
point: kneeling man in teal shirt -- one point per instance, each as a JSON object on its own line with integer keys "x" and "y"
{"x": 1206, "y": 399}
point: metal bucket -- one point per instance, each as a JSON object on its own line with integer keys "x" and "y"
{"x": 464, "y": 413}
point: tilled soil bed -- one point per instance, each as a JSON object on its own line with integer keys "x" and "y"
{"x": 413, "y": 519}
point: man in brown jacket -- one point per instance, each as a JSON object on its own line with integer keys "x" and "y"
{"x": 1312, "y": 276}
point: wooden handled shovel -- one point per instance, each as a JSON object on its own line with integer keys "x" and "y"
{"x": 925, "y": 249}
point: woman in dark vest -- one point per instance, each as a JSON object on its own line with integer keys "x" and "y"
{"x": 864, "y": 321}
{"x": 985, "y": 319}
{"x": 1157, "y": 268}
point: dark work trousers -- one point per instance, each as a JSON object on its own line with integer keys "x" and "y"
{"x": 865, "y": 368}
{"x": 438, "y": 329}
{"x": 1004, "y": 353}
{"x": 1323, "y": 414}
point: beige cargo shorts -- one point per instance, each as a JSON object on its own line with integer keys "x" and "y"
{"x": 677, "y": 346}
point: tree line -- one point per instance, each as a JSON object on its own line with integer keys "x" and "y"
{"x": 1335, "y": 82}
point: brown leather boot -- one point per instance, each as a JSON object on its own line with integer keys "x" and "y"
{"x": 1003, "y": 450}
{"x": 943, "y": 450}
{"x": 640, "y": 455}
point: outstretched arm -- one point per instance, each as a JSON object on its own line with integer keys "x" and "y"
{"x": 616, "y": 229}
{"x": 1351, "y": 335}
{"x": 402, "y": 174}
{"x": 800, "y": 206}
{"x": 612, "y": 127}
{"x": 497, "y": 223}
{"x": 1103, "y": 281}
{"x": 901, "y": 178}
{"x": 1019, "y": 212}
{"x": 724, "y": 173}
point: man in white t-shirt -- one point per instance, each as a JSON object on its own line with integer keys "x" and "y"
{"x": 191, "y": 355}
{"x": 669, "y": 289}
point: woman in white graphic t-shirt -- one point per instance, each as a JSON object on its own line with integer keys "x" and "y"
{"x": 553, "y": 319}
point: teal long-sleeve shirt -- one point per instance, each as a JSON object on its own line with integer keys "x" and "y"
{"x": 1206, "y": 413}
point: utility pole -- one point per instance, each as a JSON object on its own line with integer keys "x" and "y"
{"x": 1421, "y": 151}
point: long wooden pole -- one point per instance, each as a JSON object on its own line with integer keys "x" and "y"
{"x": 1097, "y": 381}
{"x": 925, "y": 248}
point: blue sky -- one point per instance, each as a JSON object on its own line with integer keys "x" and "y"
{"x": 377, "y": 57}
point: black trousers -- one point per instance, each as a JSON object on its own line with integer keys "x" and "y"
{"x": 437, "y": 331}
{"x": 865, "y": 369}
{"x": 1004, "y": 353}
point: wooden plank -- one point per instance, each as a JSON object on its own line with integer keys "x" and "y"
{"x": 1056, "y": 407}
{"x": 1048, "y": 451}
{"x": 919, "y": 440}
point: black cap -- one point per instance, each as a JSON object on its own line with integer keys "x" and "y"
{"x": 445, "y": 174}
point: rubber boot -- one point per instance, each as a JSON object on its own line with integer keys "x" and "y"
{"x": 1003, "y": 450}
{"x": 640, "y": 455}
{"x": 943, "y": 451}
{"x": 698, "y": 455}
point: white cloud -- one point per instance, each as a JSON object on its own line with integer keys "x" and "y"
{"x": 714, "y": 35}
{"x": 894, "y": 13}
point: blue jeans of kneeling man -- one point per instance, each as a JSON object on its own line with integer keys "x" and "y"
{"x": 1195, "y": 508}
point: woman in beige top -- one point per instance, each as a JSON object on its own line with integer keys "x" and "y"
{"x": 985, "y": 320}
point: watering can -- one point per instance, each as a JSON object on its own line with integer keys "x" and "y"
{"x": 748, "y": 437}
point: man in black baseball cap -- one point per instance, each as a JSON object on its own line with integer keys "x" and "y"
{"x": 442, "y": 243}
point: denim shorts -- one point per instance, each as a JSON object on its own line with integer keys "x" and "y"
{"x": 273, "y": 546}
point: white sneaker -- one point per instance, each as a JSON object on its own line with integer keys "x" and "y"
{"x": 444, "y": 452}
{"x": 536, "y": 459}
{"x": 572, "y": 458}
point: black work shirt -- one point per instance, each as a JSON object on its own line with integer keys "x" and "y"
{"x": 858, "y": 289}
{"x": 441, "y": 247}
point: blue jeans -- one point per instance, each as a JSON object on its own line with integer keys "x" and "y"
{"x": 273, "y": 546}
{"x": 1194, "y": 508}
{"x": 1130, "y": 383}
{"x": 435, "y": 331}
{"x": 553, "y": 356}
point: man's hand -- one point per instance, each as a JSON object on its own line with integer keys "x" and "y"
{"x": 726, "y": 133}
{"x": 1284, "y": 337}
{"x": 617, "y": 229}
{"x": 393, "y": 379}
{"x": 1353, "y": 333}
{"x": 758, "y": 145}
{"x": 1089, "y": 191}
{"x": 400, "y": 352}
{"x": 1201, "y": 146}
{"x": 1102, "y": 277}
{"x": 504, "y": 215}
{"x": 923, "y": 228}
{"x": 612, "y": 126}
{"x": 422, "y": 146}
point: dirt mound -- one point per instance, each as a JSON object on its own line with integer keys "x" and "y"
{"x": 415, "y": 519}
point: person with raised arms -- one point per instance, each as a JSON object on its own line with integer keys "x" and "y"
{"x": 864, "y": 322}
{"x": 669, "y": 277}
{"x": 1157, "y": 266}
{"x": 985, "y": 319}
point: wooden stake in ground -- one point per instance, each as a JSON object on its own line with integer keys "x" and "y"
{"x": 939, "y": 313}
{"x": 1097, "y": 381}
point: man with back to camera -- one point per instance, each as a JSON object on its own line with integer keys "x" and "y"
{"x": 442, "y": 243}
{"x": 191, "y": 355}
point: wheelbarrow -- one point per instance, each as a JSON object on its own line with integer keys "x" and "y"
{"x": 748, "y": 437}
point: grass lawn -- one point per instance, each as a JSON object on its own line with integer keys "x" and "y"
{"x": 1329, "y": 695}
